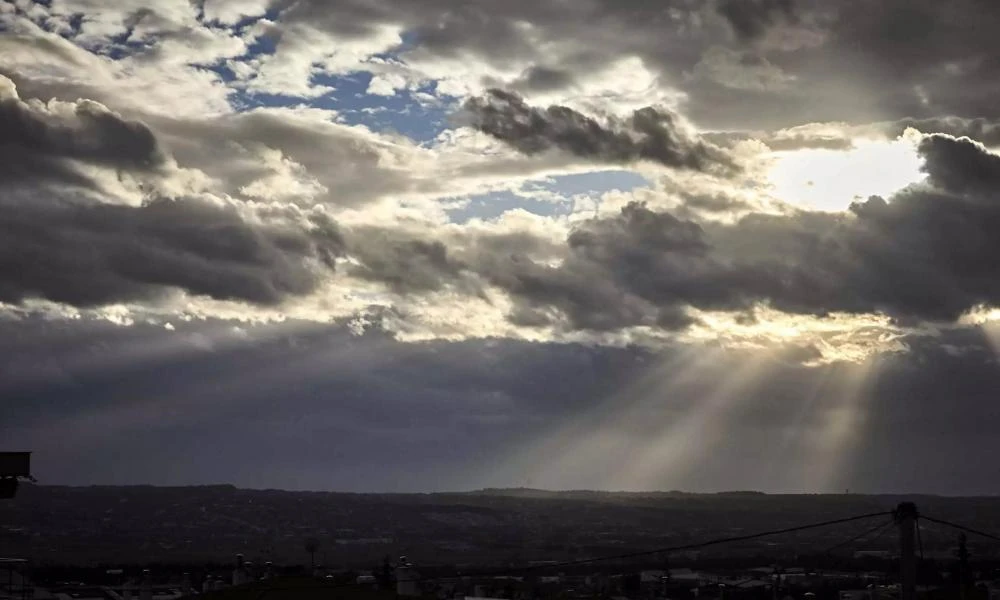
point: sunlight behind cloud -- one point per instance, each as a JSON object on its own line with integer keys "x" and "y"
{"x": 831, "y": 179}
{"x": 836, "y": 338}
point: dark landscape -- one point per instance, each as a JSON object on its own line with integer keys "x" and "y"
{"x": 145, "y": 524}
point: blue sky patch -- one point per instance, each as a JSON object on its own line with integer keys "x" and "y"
{"x": 494, "y": 204}
{"x": 593, "y": 182}
{"x": 403, "y": 113}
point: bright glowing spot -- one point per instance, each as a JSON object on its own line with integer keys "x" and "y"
{"x": 980, "y": 315}
{"x": 839, "y": 337}
{"x": 832, "y": 179}
{"x": 987, "y": 319}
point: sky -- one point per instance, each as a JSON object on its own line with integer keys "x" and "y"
{"x": 386, "y": 245}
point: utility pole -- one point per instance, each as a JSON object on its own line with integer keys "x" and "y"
{"x": 906, "y": 518}
{"x": 963, "y": 565}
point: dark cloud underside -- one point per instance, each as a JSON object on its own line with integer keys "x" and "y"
{"x": 104, "y": 254}
{"x": 60, "y": 245}
{"x": 649, "y": 134}
{"x": 307, "y": 407}
{"x": 43, "y": 140}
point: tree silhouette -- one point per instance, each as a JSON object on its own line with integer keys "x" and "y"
{"x": 312, "y": 547}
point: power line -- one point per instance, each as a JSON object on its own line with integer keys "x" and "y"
{"x": 962, "y": 527}
{"x": 694, "y": 546}
{"x": 878, "y": 528}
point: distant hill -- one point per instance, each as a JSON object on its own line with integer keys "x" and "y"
{"x": 181, "y": 524}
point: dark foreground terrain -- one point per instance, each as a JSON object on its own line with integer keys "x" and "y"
{"x": 95, "y": 525}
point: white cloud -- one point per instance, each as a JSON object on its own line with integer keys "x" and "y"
{"x": 303, "y": 52}
{"x": 53, "y": 66}
{"x": 386, "y": 85}
{"x": 230, "y": 12}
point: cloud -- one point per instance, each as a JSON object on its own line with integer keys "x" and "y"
{"x": 162, "y": 61}
{"x": 165, "y": 163}
{"x": 980, "y": 129}
{"x": 750, "y": 18}
{"x": 640, "y": 268}
{"x": 102, "y": 249}
{"x": 806, "y": 62}
{"x": 231, "y": 11}
{"x": 134, "y": 387}
{"x": 44, "y": 139}
{"x": 917, "y": 59}
{"x": 403, "y": 263}
{"x": 857, "y": 61}
{"x": 539, "y": 78}
{"x": 810, "y": 136}
{"x": 923, "y": 255}
{"x": 843, "y": 136}
{"x": 649, "y": 134}
{"x": 292, "y": 155}
{"x": 960, "y": 165}
{"x": 90, "y": 255}
{"x": 302, "y": 156}
{"x": 741, "y": 70}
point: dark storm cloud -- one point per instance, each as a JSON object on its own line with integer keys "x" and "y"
{"x": 639, "y": 268}
{"x": 580, "y": 291}
{"x": 750, "y": 18}
{"x": 960, "y": 165}
{"x": 39, "y": 139}
{"x": 307, "y": 406}
{"x": 541, "y": 79}
{"x": 403, "y": 263}
{"x": 85, "y": 252}
{"x": 651, "y": 134}
{"x": 94, "y": 254}
{"x": 863, "y": 61}
{"x": 143, "y": 381}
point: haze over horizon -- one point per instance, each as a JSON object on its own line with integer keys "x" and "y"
{"x": 430, "y": 245}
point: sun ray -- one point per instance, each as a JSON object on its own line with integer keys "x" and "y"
{"x": 792, "y": 434}
{"x": 583, "y": 450}
{"x": 676, "y": 451}
{"x": 844, "y": 418}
